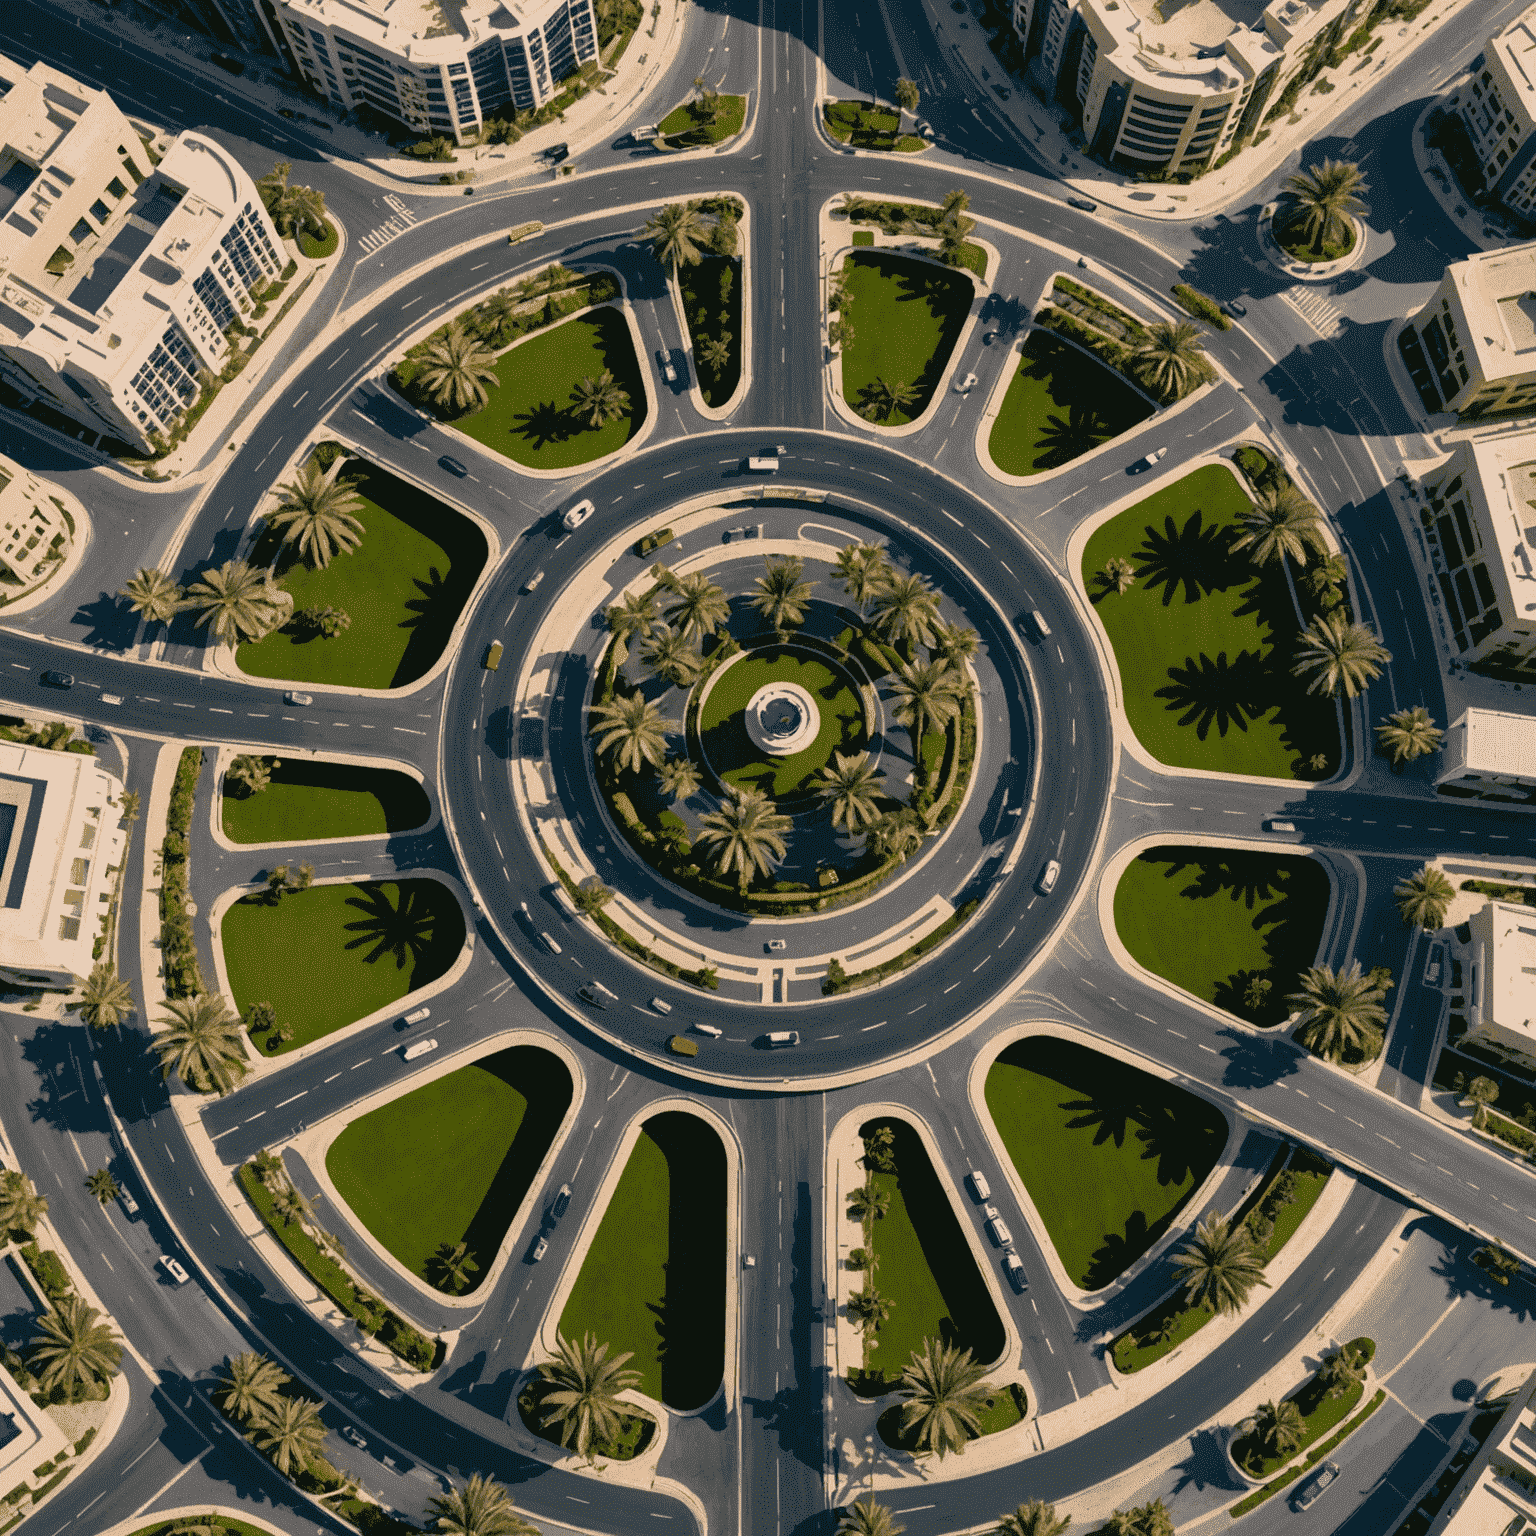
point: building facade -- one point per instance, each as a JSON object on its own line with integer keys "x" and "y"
{"x": 1174, "y": 94}
{"x": 1497, "y": 106}
{"x": 438, "y": 66}
{"x": 1494, "y": 1496}
{"x": 61, "y": 843}
{"x": 35, "y": 531}
{"x": 119, "y": 277}
{"x": 1489, "y": 754}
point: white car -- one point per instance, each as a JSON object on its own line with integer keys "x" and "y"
{"x": 773, "y": 946}
{"x": 979, "y": 1186}
{"x": 293, "y": 697}
{"x": 1048, "y": 877}
{"x": 173, "y": 1269}
{"x": 966, "y": 385}
{"x": 661, "y": 1005}
{"x": 540, "y": 1248}
{"x": 668, "y": 372}
{"x": 1153, "y": 457}
{"x": 577, "y": 515}
{"x": 1013, "y": 1267}
{"x": 1311, "y": 1490}
{"x": 418, "y": 1016}
{"x": 129, "y": 1204}
{"x": 533, "y": 581}
{"x": 997, "y": 1228}
{"x": 421, "y": 1048}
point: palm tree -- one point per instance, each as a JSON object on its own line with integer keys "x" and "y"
{"x": 864, "y": 572}
{"x": 634, "y": 614}
{"x": 73, "y": 1352}
{"x": 1281, "y": 524}
{"x": 153, "y": 595}
{"x": 1118, "y": 575}
{"x": 941, "y": 1384}
{"x": 852, "y": 785}
{"x": 750, "y": 832}
{"x": 884, "y": 397}
{"x": 582, "y": 1386}
{"x": 592, "y": 895}
{"x": 868, "y": 1309}
{"x": 239, "y": 601}
{"x": 907, "y": 96}
{"x": 781, "y": 596}
{"x": 103, "y": 1186}
{"x": 200, "y": 1040}
{"x": 291, "y": 207}
{"x": 457, "y": 370}
{"x": 252, "y": 774}
{"x": 318, "y": 514}
{"x": 676, "y": 234}
{"x": 1171, "y": 361}
{"x": 452, "y": 1265}
{"x": 481, "y": 1508}
{"x": 1424, "y": 896}
{"x": 597, "y": 401}
{"x": 292, "y": 1434}
{"x": 1278, "y": 1428}
{"x": 715, "y": 354}
{"x": 252, "y": 1385}
{"x": 926, "y": 693}
{"x": 1341, "y": 1371}
{"x": 954, "y": 205}
{"x": 1340, "y": 1011}
{"x": 1036, "y": 1518}
{"x": 896, "y": 834}
{"x": 955, "y": 644}
{"x": 698, "y": 607}
{"x": 868, "y": 1202}
{"x": 1408, "y": 734}
{"x": 1481, "y": 1092}
{"x": 867, "y": 1518}
{"x": 1142, "y": 1520}
{"x": 495, "y": 312}
{"x": 1220, "y": 1265}
{"x": 1339, "y": 653}
{"x": 105, "y": 998}
{"x": 21, "y": 1207}
{"x": 679, "y": 778}
{"x": 670, "y": 655}
{"x": 633, "y": 729}
{"x": 1325, "y": 199}
{"x": 907, "y": 609}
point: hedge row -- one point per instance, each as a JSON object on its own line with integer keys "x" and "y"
{"x": 178, "y": 946}
{"x": 1254, "y": 1499}
{"x": 1201, "y": 307}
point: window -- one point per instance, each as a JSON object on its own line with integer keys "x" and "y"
{"x": 88, "y": 836}
{"x": 117, "y": 189}
{"x": 99, "y": 211}
{"x": 69, "y": 930}
{"x": 81, "y": 232}
{"x": 77, "y": 872}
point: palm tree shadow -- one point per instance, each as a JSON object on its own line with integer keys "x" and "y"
{"x": 1069, "y": 437}
{"x": 1217, "y": 693}
{"x": 1166, "y": 1136}
{"x": 1197, "y": 557}
{"x": 1113, "y": 1112}
{"x": 546, "y": 423}
{"x": 408, "y": 931}
{"x": 1119, "y": 1251}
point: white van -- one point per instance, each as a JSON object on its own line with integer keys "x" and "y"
{"x": 708, "y": 1029}
{"x": 979, "y": 1186}
{"x": 780, "y": 1037}
{"x": 419, "y": 1049}
{"x": 766, "y": 466}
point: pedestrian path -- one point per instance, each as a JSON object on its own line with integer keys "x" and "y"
{"x": 381, "y": 234}
{"x": 1322, "y": 314}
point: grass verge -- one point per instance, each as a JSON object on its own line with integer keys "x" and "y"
{"x": 691, "y": 124}
{"x": 1008, "y": 1406}
{"x": 864, "y": 125}
{"x": 309, "y": 801}
{"x": 1252, "y": 1502}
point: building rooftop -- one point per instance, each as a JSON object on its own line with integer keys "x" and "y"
{"x": 1498, "y": 742}
{"x": 1516, "y": 47}
{"x": 1508, "y": 993}
{"x": 406, "y": 26}
{"x": 1497, "y": 290}
{"x": 1506, "y": 468}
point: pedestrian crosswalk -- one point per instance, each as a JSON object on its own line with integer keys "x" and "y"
{"x": 401, "y": 220}
{"x": 1324, "y": 316}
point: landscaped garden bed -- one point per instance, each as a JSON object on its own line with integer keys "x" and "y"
{"x": 1205, "y": 639}
{"x": 332, "y": 954}
{"x": 1286, "y": 1478}
{"x": 451, "y": 1162}
{"x": 654, "y": 1278}
{"x": 1061, "y": 404}
{"x": 310, "y": 800}
{"x": 1008, "y": 1407}
{"x": 709, "y": 118}
{"x": 948, "y": 223}
{"x": 866, "y": 125}
{"x": 1107, "y": 1153}
{"x": 709, "y": 287}
{"x": 1233, "y": 926}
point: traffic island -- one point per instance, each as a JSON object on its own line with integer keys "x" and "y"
{"x": 867, "y": 125}
{"x": 708, "y": 119}
{"x": 282, "y": 801}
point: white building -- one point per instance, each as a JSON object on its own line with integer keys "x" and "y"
{"x": 1162, "y": 86}
{"x": 60, "y": 847}
{"x": 118, "y": 278}
{"x": 1502, "y": 1007}
{"x": 1489, "y": 754}
{"x": 1497, "y": 105}
{"x": 438, "y": 66}
{"x": 36, "y": 530}
{"x": 1494, "y": 1496}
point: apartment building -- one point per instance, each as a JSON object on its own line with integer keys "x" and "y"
{"x": 1159, "y": 86}
{"x": 37, "y": 527}
{"x": 438, "y": 66}
{"x": 1497, "y": 1494}
{"x": 61, "y": 842}
{"x": 1490, "y": 754}
{"x": 1497, "y": 104}
{"x": 119, "y": 278}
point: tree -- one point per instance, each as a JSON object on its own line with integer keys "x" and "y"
{"x": 597, "y": 401}
{"x": 1325, "y": 580}
{"x": 581, "y": 1393}
{"x": 1341, "y": 1012}
{"x": 495, "y": 314}
{"x": 867, "y": 1518}
{"x": 715, "y": 353}
{"x": 1408, "y": 734}
{"x": 481, "y": 1507}
{"x": 1118, "y": 575}
{"x": 951, "y": 246}
{"x": 907, "y": 95}
{"x": 952, "y": 209}
{"x": 868, "y": 1310}
{"x": 73, "y": 1352}
{"x": 706, "y": 100}
{"x": 944, "y": 1397}
{"x": 633, "y": 729}
{"x": 1278, "y": 1428}
{"x": 1171, "y": 361}
{"x": 1036, "y": 1518}
{"x": 882, "y": 398}
{"x": 103, "y": 1186}
{"x": 676, "y": 234}
{"x": 868, "y": 1202}
{"x": 1481, "y": 1092}
{"x": 851, "y": 784}
{"x": 780, "y": 595}
{"x": 456, "y": 370}
{"x": 1424, "y": 897}
{"x": 452, "y": 1265}
{"x": 1324, "y": 199}
{"x": 1220, "y": 1266}
{"x": 679, "y": 778}
{"x": 105, "y": 998}
{"x": 252, "y": 1385}
{"x": 292, "y": 1434}
{"x": 634, "y": 614}
{"x": 1142, "y": 1520}
{"x": 592, "y": 895}
{"x": 926, "y": 693}
{"x": 153, "y": 595}
{"x": 239, "y": 601}
{"x": 1342, "y": 1371}
{"x": 290, "y": 1206}
{"x": 199, "y": 1040}
{"x": 1499, "y": 1263}
{"x": 1339, "y": 653}
{"x": 750, "y": 833}
{"x": 302, "y": 878}
{"x": 1256, "y": 995}
{"x": 955, "y": 644}
{"x": 896, "y": 834}
{"x": 669, "y": 653}
{"x": 1281, "y": 524}
{"x": 880, "y": 1149}
{"x": 292, "y": 208}
{"x": 318, "y": 513}
{"x": 698, "y": 606}
{"x": 277, "y": 883}
{"x": 907, "y": 608}
{"x": 128, "y": 801}
{"x": 864, "y": 573}
{"x": 21, "y": 1207}
{"x": 252, "y": 774}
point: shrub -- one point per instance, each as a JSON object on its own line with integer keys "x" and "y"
{"x": 1201, "y": 307}
{"x": 49, "y": 1271}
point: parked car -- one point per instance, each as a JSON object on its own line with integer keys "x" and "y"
{"x": 349, "y": 1432}
{"x": 1316, "y": 1485}
{"x": 557, "y": 152}
{"x": 174, "y": 1269}
{"x": 1087, "y": 204}
{"x": 966, "y": 385}
{"x": 453, "y": 466}
{"x": 1013, "y": 1267}
{"x": 295, "y": 697}
{"x": 576, "y": 516}
{"x": 52, "y": 679}
{"x": 979, "y": 1186}
{"x": 1048, "y": 877}
{"x": 591, "y": 996}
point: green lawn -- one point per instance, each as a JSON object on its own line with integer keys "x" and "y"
{"x": 707, "y": 291}
{"x": 1107, "y": 1153}
{"x": 907, "y": 316}
{"x": 1205, "y": 640}
{"x": 227, "y": 1523}
{"x": 653, "y": 1280}
{"x": 730, "y": 751}
{"x": 1211, "y": 920}
{"x": 1319, "y": 1415}
{"x": 1008, "y": 1407}
{"x": 1061, "y": 404}
{"x": 451, "y": 1161}
{"x": 309, "y": 801}
{"x": 686, "y": 126}
{"x": 528, "y": 418}
{"x": 925, "y": 1269}
{"x": 865, "y": 126}
{"x": 403, "y": 587}
{"x": 330, "y": 955}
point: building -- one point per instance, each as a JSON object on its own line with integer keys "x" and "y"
{"x": 1501, "y": 1009}
{"x": 60, "y": 847}
{"x": 1495, "y": 1495}
{"x": 119, "y": 278}
{"x": 1480, "y": 535}
{"x": 1497, "y": 106}
{"x": 438, "y": 66}
{"x": 1159, "y": 86}
{"x": 1489, "y": 754}
{"x": 37, "y": 528}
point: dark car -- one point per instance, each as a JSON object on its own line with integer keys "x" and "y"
{"x": 557, "y": 152}
{"x": 1311, "y": 1490}
{"x": 453, "y": 466}
{"x": 1087, "y": 204}
{"x": 591, "y": 996}
{"x": 1236, "y": 310}
{"x": 51, "y": 679}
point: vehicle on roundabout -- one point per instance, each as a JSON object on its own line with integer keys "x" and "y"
{"x": 1315, "y": 1486}
{"x": 532, "y": 584}
{"x": 293, "y": 696}
{"x": 575, "y": 516}
{"x": 591, "y": 997}
{"x": 966, "y": 385}
{"x": 1048, "y": 877}
{"x": 173, "y": 1269}
{"x": 1147, "y": 461}
{"x": 52, "y": 679}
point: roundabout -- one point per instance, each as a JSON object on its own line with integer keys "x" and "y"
{"x": 782, "y": 719}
